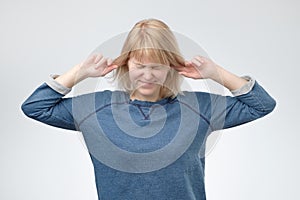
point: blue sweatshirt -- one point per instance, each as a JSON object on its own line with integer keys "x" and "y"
{"x": 147, "y": 150}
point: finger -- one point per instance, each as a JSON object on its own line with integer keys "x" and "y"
{"x": 101, "y": 63}
{"x": 109, "y": 69}
{"x": 196, "y": 62}
{"x": 90, "y": 59}
{"x": 183, "y": 74}
{"x": 201, "y": 59}
{"x": 112, "y": 67}
{"x": 179, "y": 68}
{"x": 188, "y": 64}
{"x": 98, "y": 58}
{"x": 109, "y": 61}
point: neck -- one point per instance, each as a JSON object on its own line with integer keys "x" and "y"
{"x": 152, "y": 98}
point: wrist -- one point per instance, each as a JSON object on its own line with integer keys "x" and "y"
{"x": 71, "y": 77}
{"x": 78, "y": 73}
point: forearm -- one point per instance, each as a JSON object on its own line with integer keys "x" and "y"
{"x": 71, "y": 77}
{"x": 228, "y": 79}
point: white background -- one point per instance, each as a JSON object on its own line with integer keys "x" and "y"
{"x": 259, "y": 160}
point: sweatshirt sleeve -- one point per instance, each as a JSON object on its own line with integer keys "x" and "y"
{"x": 246, "y": 104}
{"x": 47, "y": 105}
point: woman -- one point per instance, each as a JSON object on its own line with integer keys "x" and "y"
{"x": 147, "y": 140}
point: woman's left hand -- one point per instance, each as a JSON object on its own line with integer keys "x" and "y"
{"x": 198, "y": 68}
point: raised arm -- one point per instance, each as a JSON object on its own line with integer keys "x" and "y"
{"x": 94, "y": 66}
{"x": 249, "y": 102}
{"x": 47, "y": 105}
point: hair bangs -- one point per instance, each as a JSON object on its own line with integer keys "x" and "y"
{"x": 150, "y": 55}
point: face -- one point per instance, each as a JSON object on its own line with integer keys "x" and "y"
{"x": 147, "y": 78}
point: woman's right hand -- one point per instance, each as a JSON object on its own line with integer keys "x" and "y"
{"x": 93, "y": 66}
{"x": 96, "y": 66}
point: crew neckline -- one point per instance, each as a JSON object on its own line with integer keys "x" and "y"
{"x": 150, "y": 103}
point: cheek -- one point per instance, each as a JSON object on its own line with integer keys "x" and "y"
{"x": 133, "y": 75}
{"x": 161, "y": 76}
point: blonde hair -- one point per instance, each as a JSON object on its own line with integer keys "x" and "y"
{"x": 151, "y": 39}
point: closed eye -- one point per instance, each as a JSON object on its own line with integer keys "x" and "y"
{"x": 140, "y": 66}
{"x": 157, "y": 67}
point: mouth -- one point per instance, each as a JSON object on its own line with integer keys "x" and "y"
{"x": 146, "y": 84}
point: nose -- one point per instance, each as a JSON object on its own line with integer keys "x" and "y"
{"x": 148, "y": 75}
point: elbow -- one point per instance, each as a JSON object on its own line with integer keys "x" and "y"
{"x": 270, "y": 106}
{"x": 28, "y": 110}
{"x": 274, "y": 103}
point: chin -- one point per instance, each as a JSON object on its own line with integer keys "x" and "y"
{"x": 147, "y": 93}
